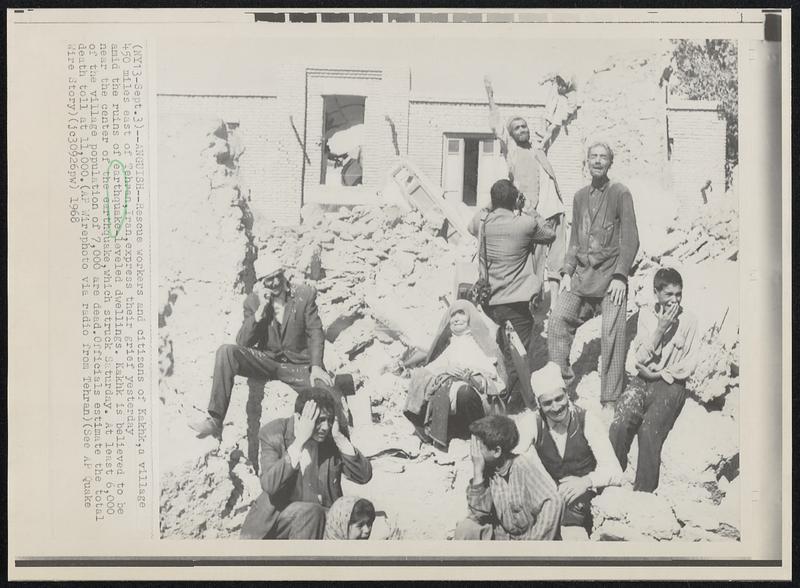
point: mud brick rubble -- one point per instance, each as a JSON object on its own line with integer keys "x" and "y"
{"x": 388, "y": 276}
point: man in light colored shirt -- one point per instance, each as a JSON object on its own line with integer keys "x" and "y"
{"x": 510, "y": 497}
{"x": 665, "y": 355}
{"x": 574, "y": 448}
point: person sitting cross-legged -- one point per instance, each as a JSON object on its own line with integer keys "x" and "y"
{"x": 510, "y": 497}
{"x": 464, "y": 368}
{"x": 303, "y": 458}
{"x": 574, "y": 448}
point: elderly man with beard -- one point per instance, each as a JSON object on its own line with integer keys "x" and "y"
{"x": 603, "y": 243}
{"x": 510, "y": 497}
{"x": 303, "y": 458}
{"x": 281, "y": 338}
{"x": 574, "y": 448}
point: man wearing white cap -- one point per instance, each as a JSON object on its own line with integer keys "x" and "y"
{"x": 281, "y": 338}
{"x": 574, "y": 448}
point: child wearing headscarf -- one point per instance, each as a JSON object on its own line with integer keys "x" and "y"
{"x": 350, "y": 518}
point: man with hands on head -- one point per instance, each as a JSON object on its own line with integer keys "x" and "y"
{"x": 281, "y": 338}
{"x": 510, "y": 497}
{"x": 303, "y": 458}
{"x": 665, "y": 355}
{"x": 603, "y": 243}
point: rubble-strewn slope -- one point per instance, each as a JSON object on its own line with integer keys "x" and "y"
{"x": 387, "y": 278}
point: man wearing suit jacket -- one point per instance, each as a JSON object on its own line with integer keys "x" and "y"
{"x": 303, "y": 458}
{"x": 281, "y": 338}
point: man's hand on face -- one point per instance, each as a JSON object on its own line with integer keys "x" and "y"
{"x": 343, "y": 444}
{"x": 573, "y": 487}
{"x": 667, "y": 316}
{"x": 317, "y": 373}
{"x": 616, "y": 290}
{"x": 566, "y": 283}
{"x": 478, "y": 462}
{"x": 306, "y": 421}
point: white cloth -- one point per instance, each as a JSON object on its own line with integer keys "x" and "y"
{"x": 463, "y": 352}
{"x": 550, "y": 203}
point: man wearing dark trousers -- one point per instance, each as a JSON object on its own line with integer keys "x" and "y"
{"x": 511, "y": 237}
{"x": 665, "y": 355}
{"x": 281, "y": 338}
{"x": 602, "y": 246}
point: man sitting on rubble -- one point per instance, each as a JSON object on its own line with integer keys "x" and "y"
{"x": 665, "y": 355}
{"x": 281, "y": 338}
{"x": 513, "y": 280}
{"x": 509, "y": 496}
{"x": 602, "y": 246}
{"x": 574, "y": 448}
{"x": 303, "y": 458}
{"x": 534, "y": 176}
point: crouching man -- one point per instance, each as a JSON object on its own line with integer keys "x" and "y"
{"x": 665, "y": 355}
{"x": 510, "y": 497}
{"x": 574, "y": 448}
{"x": 303, "y": 458}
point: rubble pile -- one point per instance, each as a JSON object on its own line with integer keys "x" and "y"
{"x": 384, "y": 278}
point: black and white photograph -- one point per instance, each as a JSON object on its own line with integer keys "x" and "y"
{"x": 470, "y": 295}
{"x": 385, "y": 287}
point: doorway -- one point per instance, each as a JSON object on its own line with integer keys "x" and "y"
{"x": 471, "y": 164}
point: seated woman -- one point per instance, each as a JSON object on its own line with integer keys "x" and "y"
{"x": 350, "y": 517}
{"x": 464, "y": 369}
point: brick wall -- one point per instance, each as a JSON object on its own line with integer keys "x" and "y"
{"x": 431, "y": 118}
{"x": 268, "y": 166}
{"x": 386, "y": 92}
{"x": 697, "y": 133}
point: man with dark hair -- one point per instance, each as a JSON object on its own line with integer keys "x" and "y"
{"x": 510, "y": 240}
{"x": 602, "y": 246}
{"x": 281, "y": 338}
{"x": 534, "y": 176}
{"x": 303, "y": 458}
{"x": 664, "y": 354}
{"x": 510, "y": 497}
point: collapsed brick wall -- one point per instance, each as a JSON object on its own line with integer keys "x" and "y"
{"x": 265, "y": 177}
{"x": 386, "y": 93}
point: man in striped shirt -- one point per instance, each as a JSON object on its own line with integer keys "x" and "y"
{"x": 510, "y": 497}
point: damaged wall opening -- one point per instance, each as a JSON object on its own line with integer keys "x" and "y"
{"x": 471, "y": 163}
{"x": 342, "y": 140}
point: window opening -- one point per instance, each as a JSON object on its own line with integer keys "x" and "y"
{"x": 342, "y": 140}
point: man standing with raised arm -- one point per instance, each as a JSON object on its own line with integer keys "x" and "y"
{"x": 526, "y": 163}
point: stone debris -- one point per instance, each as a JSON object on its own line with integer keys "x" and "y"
{"x": 384, "y": 277}
{"x": 620, "y": 514}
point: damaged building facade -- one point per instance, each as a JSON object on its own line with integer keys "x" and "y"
{"x": 330, "y": 136}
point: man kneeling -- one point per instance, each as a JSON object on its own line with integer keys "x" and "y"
{"x": 303, "y": 458}
{"x": 510, "y": 496}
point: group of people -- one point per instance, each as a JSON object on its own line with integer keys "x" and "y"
{"x": 534, "y": 485}
{"x": 541, "y": 487}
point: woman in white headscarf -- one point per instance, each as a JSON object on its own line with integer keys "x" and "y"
{"x": 463, "y": 368}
